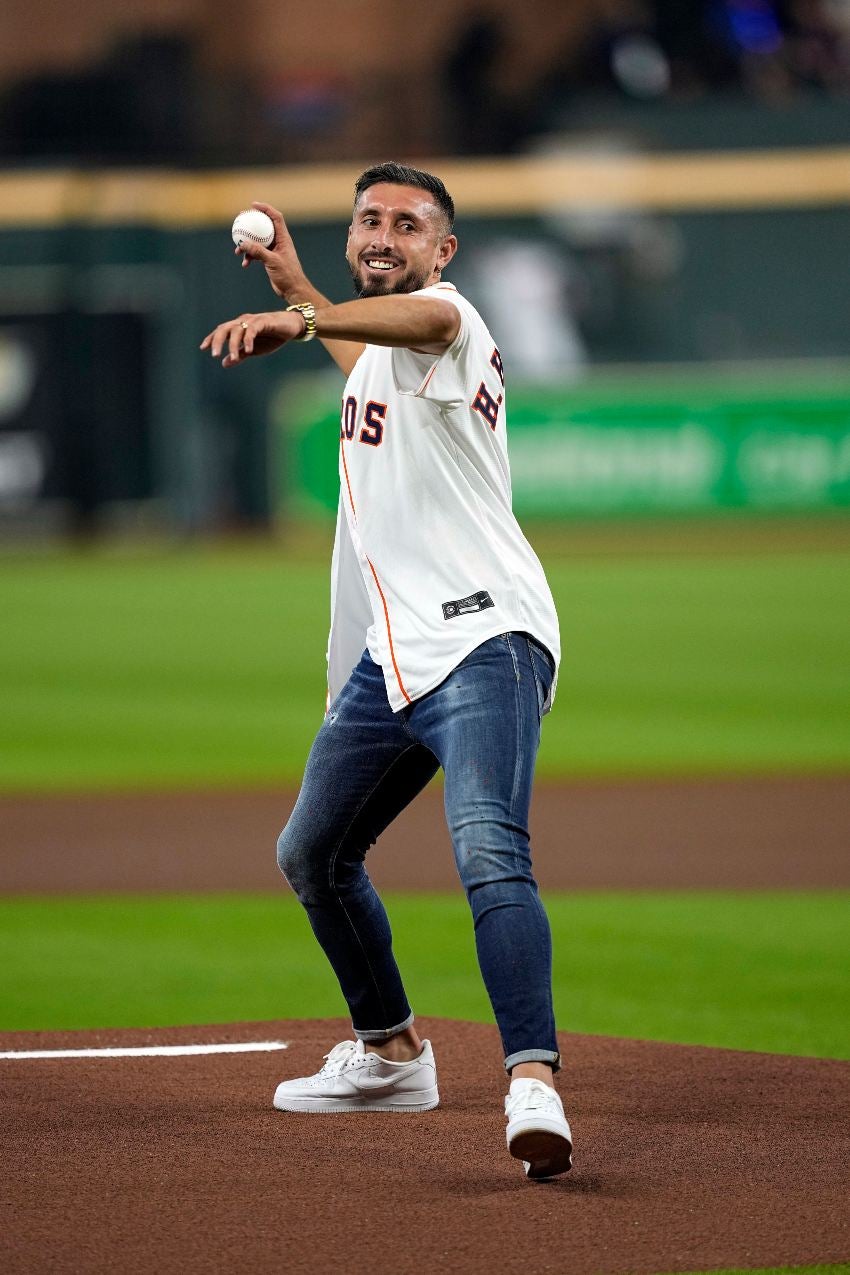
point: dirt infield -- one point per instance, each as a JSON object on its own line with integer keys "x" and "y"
{"x": 685, "y": 1159}
{"x": 776, "y": 833}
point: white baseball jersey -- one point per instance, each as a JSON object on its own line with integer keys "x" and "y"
{"x": 429, "y": 561}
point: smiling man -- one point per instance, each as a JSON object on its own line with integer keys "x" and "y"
{"x": 443, "y": 652}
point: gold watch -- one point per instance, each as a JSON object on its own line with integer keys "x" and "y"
{"x": 309, "y": 312}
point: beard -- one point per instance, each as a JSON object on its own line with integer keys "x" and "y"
{"x": 412, "y": 281}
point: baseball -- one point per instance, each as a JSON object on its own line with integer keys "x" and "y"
{"x": 254, "y": 225}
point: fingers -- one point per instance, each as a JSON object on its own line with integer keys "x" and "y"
{"x": 234, "y": 340}
{"x": 276, "y": 216}
{"x": 250, "y": 250}
{"x": 250, "y": 335}
{"x": 235, "y": 343}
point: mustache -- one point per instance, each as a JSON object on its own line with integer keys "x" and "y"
{"x": 410, "y": 281}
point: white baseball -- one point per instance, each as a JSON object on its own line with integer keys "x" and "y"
{"x": 254, "y": 225}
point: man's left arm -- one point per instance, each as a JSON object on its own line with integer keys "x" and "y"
{"x": 427, "y": 325}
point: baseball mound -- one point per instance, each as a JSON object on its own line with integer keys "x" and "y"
{"x": 686, "y": 1159}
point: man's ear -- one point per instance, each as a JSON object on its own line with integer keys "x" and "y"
{"x": 448, "y": 248}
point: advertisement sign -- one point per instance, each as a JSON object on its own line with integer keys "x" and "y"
{"x": 684, "y": 441}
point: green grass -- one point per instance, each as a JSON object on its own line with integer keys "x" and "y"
{"x": 206, "y": 667}
{"x": 765, "y": 972}
{"x": 838, "y": 1269}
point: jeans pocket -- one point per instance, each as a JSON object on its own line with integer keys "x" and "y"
{"x": 506, "y": 638}
{"x": 543, "y": 672}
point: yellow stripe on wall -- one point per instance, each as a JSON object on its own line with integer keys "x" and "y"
{"x": 481, "y": 187}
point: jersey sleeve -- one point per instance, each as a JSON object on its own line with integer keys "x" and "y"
{"x": 442, "y": 379}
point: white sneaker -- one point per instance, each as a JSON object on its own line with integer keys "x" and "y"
{"x": 352, "y": 1080}
{"x": 537, "y": 1132}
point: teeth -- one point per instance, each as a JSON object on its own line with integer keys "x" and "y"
{"x": 380, "y": 265}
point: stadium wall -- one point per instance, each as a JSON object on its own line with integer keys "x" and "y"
{"x": 109, "y": 281}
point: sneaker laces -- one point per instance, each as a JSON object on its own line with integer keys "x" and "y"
{"x": 342, "y": 1056}
{"x": 534, "y": 1096}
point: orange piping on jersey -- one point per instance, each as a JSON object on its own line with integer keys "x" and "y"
{"x": 424, "y": 384}
{"x": 377, "y": 582}
{"x": 389, "y": 633}
{"x": 347, "y": 483}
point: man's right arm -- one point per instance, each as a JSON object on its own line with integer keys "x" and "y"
{"x": 288, "y": 281}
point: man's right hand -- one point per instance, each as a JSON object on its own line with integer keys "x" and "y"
{"x": 287, "y": 277}
{"x": 280, "y": 259}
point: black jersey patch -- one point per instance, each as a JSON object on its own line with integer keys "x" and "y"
{"x": 463, "y": 606}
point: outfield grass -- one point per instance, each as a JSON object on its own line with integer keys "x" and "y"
{"x": 205, "y": 667}
{"x": 762, "y": 972}
{"x": 840, "y": 1269}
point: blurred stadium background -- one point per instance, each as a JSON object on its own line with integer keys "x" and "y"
{"x": 639, "y": 184}
{"x": 654, "y": 211}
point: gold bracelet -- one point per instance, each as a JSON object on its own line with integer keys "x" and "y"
{"x": 309, "y": 312}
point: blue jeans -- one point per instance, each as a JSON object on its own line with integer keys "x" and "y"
{"x": 482, "y": 725}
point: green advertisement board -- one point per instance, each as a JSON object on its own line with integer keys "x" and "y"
{"x": 661, "y": 442}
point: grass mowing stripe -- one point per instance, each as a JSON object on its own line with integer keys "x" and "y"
{"x": 766, "y": 972}
{"x": 207, "y": 667}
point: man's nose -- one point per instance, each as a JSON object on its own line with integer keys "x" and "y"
{"x": 381, "y": 239}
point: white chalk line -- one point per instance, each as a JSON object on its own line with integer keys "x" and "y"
{"x": 149, "y": 1051}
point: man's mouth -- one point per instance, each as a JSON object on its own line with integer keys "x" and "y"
{"x": 380, "y": 263}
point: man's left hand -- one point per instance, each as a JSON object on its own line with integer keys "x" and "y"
{"x": 251, "y": 335}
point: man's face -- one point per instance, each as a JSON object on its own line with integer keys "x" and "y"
{"x": 397, "y": 241}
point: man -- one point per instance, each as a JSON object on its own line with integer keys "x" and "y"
{"x": 433, "y": 577}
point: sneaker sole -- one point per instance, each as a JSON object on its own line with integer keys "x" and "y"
{"x": 544, "y": 1152}
{"x": 426, "y": 1100}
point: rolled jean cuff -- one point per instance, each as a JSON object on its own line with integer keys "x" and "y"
{"x": 383, "y": 1033}
{"x": 533, "y": 1055}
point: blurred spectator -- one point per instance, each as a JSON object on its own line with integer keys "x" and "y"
{"x": 620, "y": 52}
{"x": 146, "y": 102}
{"x": 819, "y": 42}
{"x": 136, "y": 105}
{"x": 529, "y": 285}
{"x": 182, "y": 97}
{"x": 687, "y": 49}
{"x": 480, "y": 118}
{"x": 303, "y": 112}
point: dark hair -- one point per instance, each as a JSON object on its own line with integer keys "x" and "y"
{"x": 402, "y": 175}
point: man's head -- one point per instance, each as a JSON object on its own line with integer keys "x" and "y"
{"x": 400, "y": 236}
